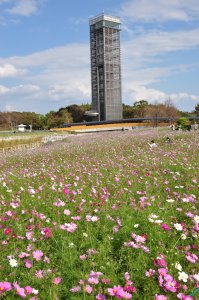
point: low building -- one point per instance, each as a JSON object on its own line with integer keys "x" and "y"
{"x": 21, "y": 128}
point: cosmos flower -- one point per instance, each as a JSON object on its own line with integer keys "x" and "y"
{"x": 37, "y": 255}
{"x": 13, "y": 262}
{"x": 5, "y": 287}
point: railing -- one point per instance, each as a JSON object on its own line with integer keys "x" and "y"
{"x": 27, "y": 144}
{"x": 53, "y": 138}
{"x": 20, "y": 147}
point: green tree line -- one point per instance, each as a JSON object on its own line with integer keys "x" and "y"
{"x": 75, "y": 113}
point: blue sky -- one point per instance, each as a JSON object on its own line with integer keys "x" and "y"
{"x": 45, "y": 54}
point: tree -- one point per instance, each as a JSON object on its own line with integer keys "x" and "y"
{"x": 183, "y": 123}
{"x": 57, "y": 119}
{"x": 140, "y": 108}
{"x": 77, "y": 112}
{"x": 156, "y": 111}
{"x": 171, "y": 111}
{"x": 128, "y": 111}
{"x": 196, "y": 111}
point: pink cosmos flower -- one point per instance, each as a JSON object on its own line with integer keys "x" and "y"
{"x": 23, "y": 254}
{"x": 37, "y": 254}
{"x": 150, "y": 273}
{"x": 171, "y": 285}
{"x": 118, "y": 292}
{"x": 184, "y": 297}
{"x": 39, "y": 274}
{"x": 160, "y": 262}
{"x": 66, "y": 191}
{"x": 162, "y": 271}
{"x": 145, "y": 249}
{"x": 130, "y": 288}
{"x": 29, "y": 235}
{"x": 19, "y": 291}
{"x": 57, "y": 280}
{"x": 46, "y": 232}
{"x": 116, "y": 179}
{"x": 100, "y": 297}
{"x": 191, "y": 257}
{"x": 105, "y": 280}
{"x": 59, "y": 203}
{"x": 160, "y": 297}
{"x": 28, "y": 263}
{"x": 93, "y": 280}
{"x": 126, "y": 276}
{"x": 70, "y": 227}
{"x": 76, "y": 289}
{"x": 83, "y": 256}
{"x": 67, "y": 212}
{"x": 28, "y": 290}
{"x": 126, "y": 295}
{"x": 5, "y": 287}
{"x": 88, "y": 289}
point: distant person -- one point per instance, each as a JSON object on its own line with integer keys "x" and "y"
{"x": 172, "y": 127}
{"x": 188, "y": 127}
{"x": 152, "y": 144}
{"x": 195, "y": 126}
{"x": 168, "y": 140}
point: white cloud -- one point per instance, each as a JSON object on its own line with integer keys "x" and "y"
{"x": 8, "y": 70}
{"x": 142, "y": 48}
{"x": 76, "y": 90}
{"x": 28, "y": 89}
{"x": 182, "y": 101}
{"x": 160, "y": 10}
{"x": 138, "y": 92}
{"x": 25, "y": 7}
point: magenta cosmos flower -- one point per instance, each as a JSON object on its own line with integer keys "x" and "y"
{"x": 5, "y": 287}
{"x": 165, "y": 227}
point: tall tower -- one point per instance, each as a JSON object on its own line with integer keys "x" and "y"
{"x": 105, "y": 67}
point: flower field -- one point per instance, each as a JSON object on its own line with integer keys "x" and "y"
{"x": 101, "y": 216}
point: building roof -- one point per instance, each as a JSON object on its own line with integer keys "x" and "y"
{"x": 104, "y": 17}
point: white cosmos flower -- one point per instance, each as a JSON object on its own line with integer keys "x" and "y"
{"x": 196, "y": 219}
{"x": 170, "y": 200}
{"x": 94, "y": 218}
{"x": 153, "y": 216}
{"x": 136, "y": 225}
{"x": 13, "y": 263}
{"x": 183, "y": 236}
{"x": 178, "y": 227}
{"x": 35, "y": 292}
{"x": 178, "y": 266}
{"x": 151, "y": 220}
{"x": 158, "y": 221}
{"x": 182, "y": 276}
